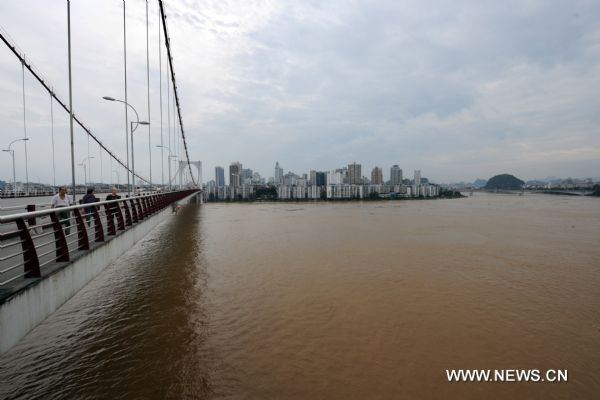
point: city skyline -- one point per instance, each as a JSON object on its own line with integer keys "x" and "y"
{"x": 467, "y": 92}
{"x": 387, "y": 175}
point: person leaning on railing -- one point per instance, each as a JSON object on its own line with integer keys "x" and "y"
{"x": 62, "y": 200}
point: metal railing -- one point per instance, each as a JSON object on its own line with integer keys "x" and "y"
{"x": 33, "y": 240}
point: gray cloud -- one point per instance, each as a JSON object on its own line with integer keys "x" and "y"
{"x": 458, "y": 89}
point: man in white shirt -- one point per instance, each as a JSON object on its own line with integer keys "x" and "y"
{"x": 62, "y": 200}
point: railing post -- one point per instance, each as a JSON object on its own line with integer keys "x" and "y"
{"x": 62, "y": 249}
{"x": 31, "y": 221}
{"x": 99, "y": 229}
{"x": 84, "y": 243}
{"x": 141, "y": 214}
{"x": 134, "y": 213}
{"x": 145, "y": 207}
{"x": 127, "y": 214}
{"x": 31, "y": 266}
{"x": 151, "y": 204}
{"x": 120, "y": 220}
{"x": 109, "y": 219}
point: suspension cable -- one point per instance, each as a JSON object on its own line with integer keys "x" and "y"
{"x": 162, "y": 148}
{"x": 148, "y": 86}
{"x": 45, "y": 83}
{"x": 52, "y": 130}
{"x": 175, "y": 95}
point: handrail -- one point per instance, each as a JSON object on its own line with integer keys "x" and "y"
{"x": 40, "y": 213}
{"x": 73, "y": 231}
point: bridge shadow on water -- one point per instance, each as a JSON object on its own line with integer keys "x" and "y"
{"x": 139, "y": 330}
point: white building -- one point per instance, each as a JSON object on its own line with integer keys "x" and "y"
{"x": 299, "y": 192}
{"x": 313, "y": 192}
{"x": 334, "y": 178}
{"x": 284, "y": 192}
{"x": 278, "y": 179}
{"x": 395, "y": 175}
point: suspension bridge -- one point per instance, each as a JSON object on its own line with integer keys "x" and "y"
{"x": 47, "y": 254}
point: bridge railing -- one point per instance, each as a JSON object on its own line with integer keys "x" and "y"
{"x": 32, "y": 241}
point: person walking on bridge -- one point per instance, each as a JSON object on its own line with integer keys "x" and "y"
{"x": 89, "y": 198}
{"x": 62, "y": 200}
{"x": 113, "y": 195}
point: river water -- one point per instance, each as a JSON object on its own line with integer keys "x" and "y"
{"x": 371, "y": 300}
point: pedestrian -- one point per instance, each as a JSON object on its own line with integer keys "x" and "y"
{"x": 113, "y": 195}
{"x": 62, "y": 200}
{"x": 89, "y": 198}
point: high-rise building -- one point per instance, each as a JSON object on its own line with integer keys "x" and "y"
{"x": 312, "y": 181}
{"x": 335, "y": 178}
{"x": 376, "y": 176}
{"x": 219, "y": 176}
{"x": 235, "y": 172}
{"x": 417, "y": 177}
{"x": 290, "y": 179}
{"x": 246, "y": 174}
{"x": 321, "y": 179}
{"x": 354, "y": 174}
{"x": 395, "y": 175}
{"x": 278, "y": 178}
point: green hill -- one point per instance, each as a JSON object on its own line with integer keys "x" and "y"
{"x": 504, "y": 182}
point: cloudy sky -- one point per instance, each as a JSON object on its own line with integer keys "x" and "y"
{"x": 458, "y": 89}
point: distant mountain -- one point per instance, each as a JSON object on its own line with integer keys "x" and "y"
{"x": 479, "y": 183}
{"x": 505, "y": 182}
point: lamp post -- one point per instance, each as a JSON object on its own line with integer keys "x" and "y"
{"x": 85, "y": 169}
{"x": 12, "y": 154}
{"x": 132, "y": 129}
{"x": 170, "y": 156}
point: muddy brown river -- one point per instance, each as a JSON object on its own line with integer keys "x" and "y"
{"x": 349, "y": 300}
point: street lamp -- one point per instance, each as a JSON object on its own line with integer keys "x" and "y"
{"x": 85, "y": 169}
{"x": 132, "y": 129}
{"x": 12, "y": 153}
{"x": 170, "y": 156}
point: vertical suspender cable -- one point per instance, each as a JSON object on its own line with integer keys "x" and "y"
{"x": 101, "y": 180}
{"x": 71, "y": 103}
{"x": 25, "y": 130}
{"x": 53, "y": 154}
{"x": 162, "y": 149}
{"x": 148, "y": 81}
{"x": 125, "y": 72}
{"x": 89, "y": 166}
{"x": 169, "y": 122}
{"x": 174, "y": 137}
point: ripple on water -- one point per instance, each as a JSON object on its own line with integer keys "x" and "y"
{"x": 350, "y": 300}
